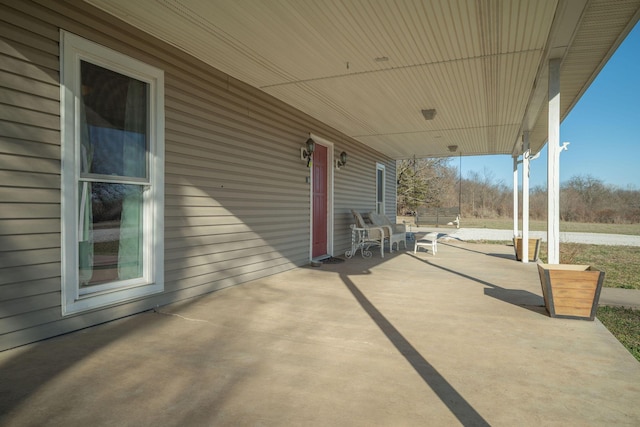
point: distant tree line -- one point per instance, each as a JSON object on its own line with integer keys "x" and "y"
{"x": 436, "y": 183}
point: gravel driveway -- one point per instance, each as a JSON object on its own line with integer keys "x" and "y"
{"x": 572, "y": 237}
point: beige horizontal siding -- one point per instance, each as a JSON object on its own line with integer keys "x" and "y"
{"x": 33, "y": 304}
{"x": 34, "y": 34}
{"x": 29, "y": 210}
{"x": 25, "y": 91}
{"x": 31, "y": 287}
{"x": 237, "y": 204}
{"x": 16, "y": 227}
{"x": 29, "y": 133}
{"x": 29, "y": 101}
{"x": 11, "y": 328}
{"x": 29, "y": 164}
{"x": 28, "y": 241}
{"x": 29, "y": 172}
{"x": 29, "y": 180}
{"x": 26, "y": 274}
{"x": 40, "y": 196}
{"x": 25, "y": 148}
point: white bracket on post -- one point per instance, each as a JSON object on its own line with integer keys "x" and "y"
{"x": 527, "y": 157}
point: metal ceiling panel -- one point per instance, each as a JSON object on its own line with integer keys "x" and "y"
{"x": 368, "y": 67}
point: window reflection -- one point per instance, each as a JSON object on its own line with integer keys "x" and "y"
{"x": 112, "y": 246}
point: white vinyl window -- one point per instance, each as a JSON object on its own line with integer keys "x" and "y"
{"x": 112, "y": 176}
{"x": 380, "y": 188}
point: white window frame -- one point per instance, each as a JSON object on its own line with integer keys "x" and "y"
{"x": 74, "y": 49}
{"x": 380, "y": 209}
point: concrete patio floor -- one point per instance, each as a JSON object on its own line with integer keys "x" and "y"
{"x": 408, "y": 340}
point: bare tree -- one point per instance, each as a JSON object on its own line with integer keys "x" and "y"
{"x": 429, "y": 181}
{"x": 434, "y": 183}
{"x": 589, "y": 199}
{"x": 483, "y": 197}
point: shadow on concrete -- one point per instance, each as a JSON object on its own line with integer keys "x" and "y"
{"x": 30, "y": 367}
{"x": 496, "y": 255}
{"x": 458, "y": 406}
{"x": 503, "y": 256}
{"x": 517, "y": 297}
{"x": 30, "y": 370}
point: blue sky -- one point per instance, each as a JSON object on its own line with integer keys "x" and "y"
{"x": 603, "y": 129}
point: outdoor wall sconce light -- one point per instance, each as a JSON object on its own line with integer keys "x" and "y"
{"x": 453, "y": 148}
{"x": 307, "y": 152}
{"x": 342, "y": 160}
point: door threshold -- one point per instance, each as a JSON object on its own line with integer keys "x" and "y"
{"x": 318, "y": 261}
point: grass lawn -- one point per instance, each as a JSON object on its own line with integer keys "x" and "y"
{"x": 624, "y": 324}
{"x": 621, "y": 264}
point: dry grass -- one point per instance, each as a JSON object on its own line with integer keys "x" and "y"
{"x": 507, "y": 224}
{"x": 621, "y": 264}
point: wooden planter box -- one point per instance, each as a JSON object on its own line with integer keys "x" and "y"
{"x": 571, "y": 291}
{"x": 534, "y": 248}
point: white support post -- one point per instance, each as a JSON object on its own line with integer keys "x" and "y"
{"x": 515, "y": 196}
{"x": 526, "y": 158}
{"x": 553, "y": 164}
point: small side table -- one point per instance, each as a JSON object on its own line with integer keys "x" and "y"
{"x": 363, "y": 239}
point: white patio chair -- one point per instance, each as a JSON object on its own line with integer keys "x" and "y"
{"x": 426, "y": 241}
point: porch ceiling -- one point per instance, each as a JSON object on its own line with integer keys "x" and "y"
{"x": 368, "y": 68}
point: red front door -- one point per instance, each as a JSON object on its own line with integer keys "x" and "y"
{"x": 319, "y": 234}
